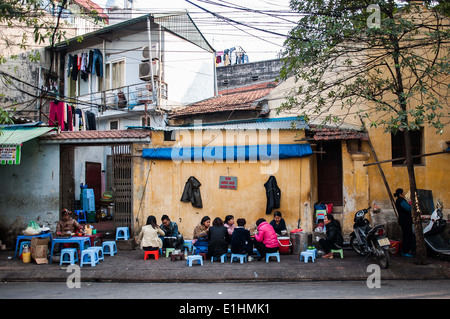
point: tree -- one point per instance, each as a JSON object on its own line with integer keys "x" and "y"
{"x": 385, "y": 62}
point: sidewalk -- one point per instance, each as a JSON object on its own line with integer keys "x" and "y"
{"x": 130, "y": 266}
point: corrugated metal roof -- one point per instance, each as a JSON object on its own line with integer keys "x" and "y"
{"x": 16, "y": 135}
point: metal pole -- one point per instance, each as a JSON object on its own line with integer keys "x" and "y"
{"x": 149, "y": 31}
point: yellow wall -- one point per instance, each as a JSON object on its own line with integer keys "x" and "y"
{"x": 161, "y": 192}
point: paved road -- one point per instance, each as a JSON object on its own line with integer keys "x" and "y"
{"x": 389, "y": 289}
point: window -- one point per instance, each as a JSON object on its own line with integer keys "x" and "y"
{"x": 115, "y": 74}
{"x": 169, "y": 136}
{"x": 398, "y": 147}
{"x": 114, "y": 125}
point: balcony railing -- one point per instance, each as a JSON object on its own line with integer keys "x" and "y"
{"x": 123, "y": 98}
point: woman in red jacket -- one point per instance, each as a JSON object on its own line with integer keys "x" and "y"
{"x": 266, "y": 240}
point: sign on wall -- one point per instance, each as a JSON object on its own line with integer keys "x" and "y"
{"x": 10, "y": 154}
{"x": 228, "y": 182}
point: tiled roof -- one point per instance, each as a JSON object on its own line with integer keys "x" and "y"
{"x": 328, "y": 134}
{"x": 90, "y": 5}
{"x": 105, "y": 136}
{"x": 242, "y": 98}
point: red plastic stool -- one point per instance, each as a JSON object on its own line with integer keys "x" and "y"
{"x": 155, "y": 253}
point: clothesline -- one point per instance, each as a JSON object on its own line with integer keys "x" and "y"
{"x": 85, "y": 64}
{"x": 234, "y": 55}
{"x": 69, "y": 118}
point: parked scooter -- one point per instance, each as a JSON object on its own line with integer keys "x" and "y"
{"x": 370, "y": 241}
{"x": 434, "y": 232}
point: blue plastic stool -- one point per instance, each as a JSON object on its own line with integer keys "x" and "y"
{"x": 223, "y": 258}
{"x": 99, "y": 251}
{"x": 191, "y": 258}
{"x": 242, "y": 257}
{"x": 268, "y": 255}
{"x": 81, "y": 219}
{"x": 306, "y": 255}
{"x": 313, "y": 250}
{"x": 72, "y": 255}
{"x": 188, "y": 244}
{"x": 92, "y": 257}
{"x": 23, "y": 243}
{"x": 109, "y": 247}
{"x": 122, "y": 233}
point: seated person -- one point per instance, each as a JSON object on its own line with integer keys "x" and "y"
{"x": 148, "y": 238}
{"x": 67, "y": 225}
{"x": 218, "y": 239}
{"x": 172, "y": 237}
{"x": 334, "y": 239}
{"x": 201, "y": 232}
{"x": 278, "y": 224}
{"x": 241, "y": 242}
{"x": 229, "y": 224}
{"x": 266, "y": 240}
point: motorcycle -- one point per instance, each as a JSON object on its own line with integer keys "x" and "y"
{"x": 367, "y": 241}
{"x": 433, "y": 233}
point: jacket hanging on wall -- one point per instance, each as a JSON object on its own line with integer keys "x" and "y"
{"x": 273, "y": 194}
{"x": 191, "y": 192}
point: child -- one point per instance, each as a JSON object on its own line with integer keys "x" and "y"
{"x": 241, "y": 242}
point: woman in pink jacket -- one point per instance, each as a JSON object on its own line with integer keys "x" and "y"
{"x": 266, "y": 240}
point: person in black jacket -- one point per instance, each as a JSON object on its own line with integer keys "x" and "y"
{"x": 218, "y": 239}
{"x": 334, "y": 239}
{"x": 278, "y": 223}
{"x": 406, "y": 223}
{"x": 241, "y": 242}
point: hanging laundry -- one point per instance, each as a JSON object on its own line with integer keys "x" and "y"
{"x": 56, "y": 114}
{"x": 90, "y": 121}
{"x": 97, "y": 63}
{"x": 72, "y": 69}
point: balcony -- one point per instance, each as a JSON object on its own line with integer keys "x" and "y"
{"x": 135, "y": 97}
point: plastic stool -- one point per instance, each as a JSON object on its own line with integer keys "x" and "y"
{"x": 306, "y": 255}
{"x": 155, "y": 254}
{"x": 168, "y": 251}
{"x": 338, "y": 251}
{"x": 122, "y": 233}
{"x": 23, "y": 243}
{"x": 109, "y": 247}
{"x": 71, "y": 253}
{"x": 191, "y": 258}
{"x": 314, "y": 250}
{"x": 242, "y": 257}
{"x": 268, "y": 255}
{"x": 83, "y": 218}
{"x": 92, "y": 257}
{"x": 188, "y": 244}
{"x": 223, "y": 258}
{"x": 99, "y": 251}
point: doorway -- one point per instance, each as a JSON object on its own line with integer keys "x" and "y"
{"x": 329, "y": 173}
{"x": 93, "y": 178}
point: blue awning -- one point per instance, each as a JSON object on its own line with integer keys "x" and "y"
{"x": 222, "y": 153}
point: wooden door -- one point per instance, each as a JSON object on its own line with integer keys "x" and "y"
{"x": 329, "y": 173}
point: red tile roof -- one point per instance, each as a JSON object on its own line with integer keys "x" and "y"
{"x": 242, "y": 98}
{"x": 90, "y": 5}
{"x": 91, "y": 135}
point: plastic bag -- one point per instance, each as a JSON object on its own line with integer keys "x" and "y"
{"x": 32, "y": 229}
{"x": 34, "y": 225}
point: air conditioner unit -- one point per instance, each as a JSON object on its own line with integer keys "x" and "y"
{"x": 146, "y": 53}
{"x": 144, "y": 70}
